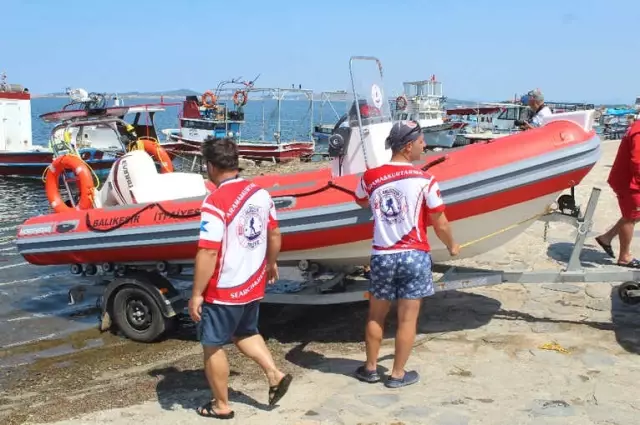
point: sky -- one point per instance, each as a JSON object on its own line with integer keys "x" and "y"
{"x": 574, "y": 51}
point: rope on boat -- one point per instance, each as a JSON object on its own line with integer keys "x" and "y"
{"x": 330, "y": 185}
{"x": 166, "y": 212}
{"x": 505, "y": 229}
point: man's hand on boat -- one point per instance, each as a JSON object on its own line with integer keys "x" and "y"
{"x": 195, "y": 307}
{"x": 272, "y": 273}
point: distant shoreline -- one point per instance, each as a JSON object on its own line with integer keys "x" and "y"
{"x": 127, "y": 96}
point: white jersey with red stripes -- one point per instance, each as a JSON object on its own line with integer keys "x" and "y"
{"x": 401, "y": 196}
{"x": 235, "y": 218}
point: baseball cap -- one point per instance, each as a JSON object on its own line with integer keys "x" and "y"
{"x": 536, "y": 94}
{"x": 402, "y": 133}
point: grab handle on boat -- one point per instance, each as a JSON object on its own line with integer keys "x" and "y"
{"x": 435, "y": 162}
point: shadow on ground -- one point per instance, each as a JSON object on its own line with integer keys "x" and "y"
{"x": 307, "y": 326}
{"x": 189, "y": 389}
{"x": 625, "y": 320}
{"x": 592, "y": 256}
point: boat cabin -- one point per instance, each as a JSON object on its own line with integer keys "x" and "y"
{"x": 422, "y": 101}
{"x": 15, "y": 117}
{"x": 210, "y": 114}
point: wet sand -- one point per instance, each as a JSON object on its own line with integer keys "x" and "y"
{"x": 509, "y": 354}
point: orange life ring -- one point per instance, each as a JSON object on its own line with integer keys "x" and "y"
{"x": 80, "y": 168}
{"x": 209, "y": 99}
{"x": 245, "y": 98}
{"x": 401, "y": 102}
{"x": 157, "y": 152}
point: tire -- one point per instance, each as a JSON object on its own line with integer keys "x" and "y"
{"x": 137, "y": 315}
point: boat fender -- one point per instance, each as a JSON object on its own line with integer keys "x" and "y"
{"x": 401, "y": 102}
{"x": 157, "y": 152}
{"x": 76, "y": 165}
{"x": 240, "y": 98}
{"x": 209, "y": 99}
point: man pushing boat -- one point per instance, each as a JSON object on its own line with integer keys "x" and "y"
{"x": 404, "y": 199}
{"x": 239, "y": 244}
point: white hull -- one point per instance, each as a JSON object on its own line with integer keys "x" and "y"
{"x": 464, "y": 231}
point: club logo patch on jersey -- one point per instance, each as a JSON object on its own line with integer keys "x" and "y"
{"x": 251, "y": 227}
{"x": 391, "y": 205}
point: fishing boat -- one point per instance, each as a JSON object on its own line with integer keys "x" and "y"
{"x": 18, "y": 156}
{"x": 78, "y": 128}
{"x": 221, "y": 113}
{"x": 493, "y": 192}
{"x": 423, "y": 102}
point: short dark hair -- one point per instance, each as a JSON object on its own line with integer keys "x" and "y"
{"x": 221, "y": 153}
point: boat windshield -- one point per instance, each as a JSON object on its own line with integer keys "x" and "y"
{"x": 369, "y": 93}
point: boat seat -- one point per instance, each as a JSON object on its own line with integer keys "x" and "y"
{"x": 134, "y": 179}
{"x": 584, "y": 119}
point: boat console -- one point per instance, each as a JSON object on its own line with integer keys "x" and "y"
{"x": 361, "y": 144}
{"x": 133, "y": 179}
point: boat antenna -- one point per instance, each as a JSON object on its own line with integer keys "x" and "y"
{"x": 251, "y": 83}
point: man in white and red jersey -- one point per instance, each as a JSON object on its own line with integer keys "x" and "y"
{"x": 404, "y": 200}
{"x": 239, "y": 244}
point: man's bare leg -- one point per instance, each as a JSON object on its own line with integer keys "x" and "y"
{"x": 610, "y": 234}
{"x": 378, "y": 310}
{"x": 216, "y": 369}
{"x": 408, "y": 311}
{"x": 255, "y": 348}
{"x": 626, "y": 235}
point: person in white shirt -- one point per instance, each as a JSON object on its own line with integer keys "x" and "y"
{"x": 404, "y": 201}
{"x": 535, "y": 99}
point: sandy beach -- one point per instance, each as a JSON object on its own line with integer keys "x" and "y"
{"x": 510, "y": 354}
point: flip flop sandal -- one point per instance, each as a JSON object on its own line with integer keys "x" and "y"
{"x": 606, "y": 248}
{"x": 369, "y": 376}
{"x": 633, "y": 264}
{"x": 208, "y": 411}
{"x": 278, "y": 391}
{"x": 409, "y": 378}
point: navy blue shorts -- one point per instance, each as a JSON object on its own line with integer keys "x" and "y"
{"x": 220, "y": 323}
{"x": 401, "y": 275}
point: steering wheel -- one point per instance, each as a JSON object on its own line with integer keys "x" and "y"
{"x": 339, "y": 123}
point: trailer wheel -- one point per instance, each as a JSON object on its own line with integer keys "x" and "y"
{"x": 138, "y": 315}
{"x": 623, "y": 292}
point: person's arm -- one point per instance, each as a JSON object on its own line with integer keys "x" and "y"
{"x": 362, "y": 198}
{"x": 436, "y": 207}
{"x": 274, "y": 237}
{"x": 274, "y": 243}
{"x": 212, "y": 229}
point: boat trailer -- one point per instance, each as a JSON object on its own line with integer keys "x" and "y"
{"x": 143, "y": 303}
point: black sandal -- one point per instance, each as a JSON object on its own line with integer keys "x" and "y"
{"x": 208, "y": 411}
{"x": 278, "y": 391}
{"x": 633, "y": 264}
{"x": 606, "y": 248}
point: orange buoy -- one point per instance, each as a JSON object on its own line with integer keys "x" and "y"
{"x": 209, "y": 99}
{"x": 240, "y": 98}
{"x": 77, "y": 166}
{"x": 401, "y": 102}
{"x": 157, "y": 152}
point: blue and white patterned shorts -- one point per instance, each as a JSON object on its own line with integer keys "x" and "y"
{"x": 401, "y": 275}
